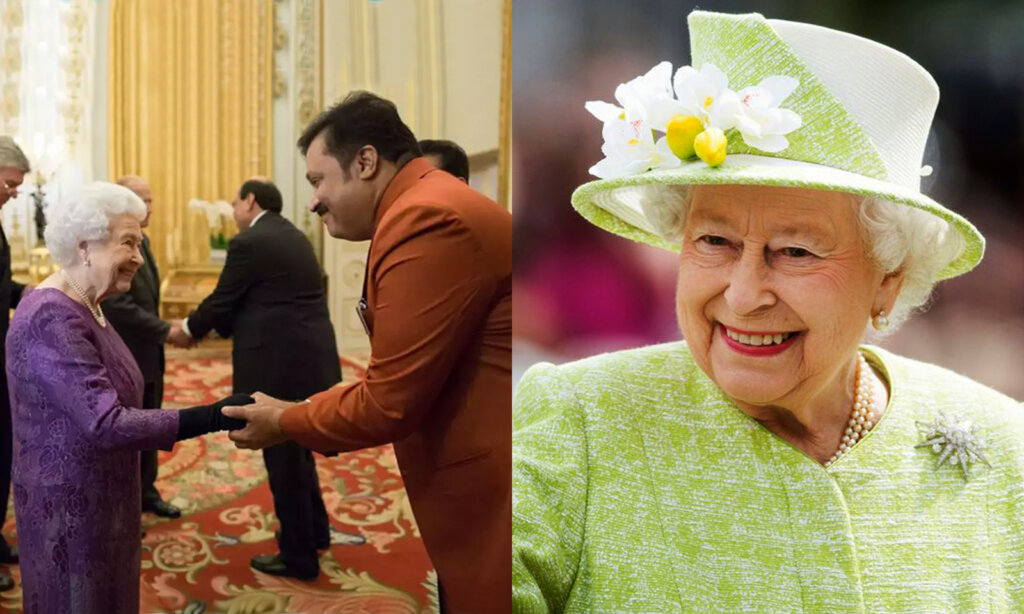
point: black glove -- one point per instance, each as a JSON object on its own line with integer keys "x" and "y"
{"x": 196, "y": 421}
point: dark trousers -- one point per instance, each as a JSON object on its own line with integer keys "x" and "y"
{"x": 298, "y": 505}
{"x": 152, "y": 398}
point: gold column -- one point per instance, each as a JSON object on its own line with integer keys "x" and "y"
{"x": 190, "y": 109}
{"x": 505, "y": 110}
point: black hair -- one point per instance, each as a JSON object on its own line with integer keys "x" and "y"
{"x": 361, "y": 119}
{"x": 267, "y": 195}
{"x": 453, "y": 157}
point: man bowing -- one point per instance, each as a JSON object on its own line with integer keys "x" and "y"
{"x": 437, "y": 306}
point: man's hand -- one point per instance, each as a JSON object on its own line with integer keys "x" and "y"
{"x": 264, "y": 418}
{"x": 179, "y": 338}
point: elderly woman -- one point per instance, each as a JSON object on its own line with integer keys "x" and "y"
{"x": 771, "y": 462}
{"x": 77, "y": 435}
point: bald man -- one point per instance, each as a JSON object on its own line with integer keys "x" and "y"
{"x": 135, "y": 315}
{"x": 270, "y": 299}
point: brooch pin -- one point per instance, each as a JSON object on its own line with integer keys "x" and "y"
{"x": 953, "y": 439}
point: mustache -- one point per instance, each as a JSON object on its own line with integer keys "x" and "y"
{"x": 320, "y": 209}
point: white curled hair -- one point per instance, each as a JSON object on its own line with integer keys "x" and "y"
{"x": 898, "y": 237}
{"x": 84, "y": 214}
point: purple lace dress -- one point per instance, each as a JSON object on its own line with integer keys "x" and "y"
{"x": 73, "y": 385}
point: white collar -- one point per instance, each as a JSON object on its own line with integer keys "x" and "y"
{"x": 257, "y": 218}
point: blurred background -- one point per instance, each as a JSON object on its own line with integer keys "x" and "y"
{"x": 580, "y": 291}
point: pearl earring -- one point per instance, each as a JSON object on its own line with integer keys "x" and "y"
{"x": 880, "y": 322}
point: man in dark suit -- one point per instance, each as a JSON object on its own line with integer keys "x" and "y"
{"x": 448, "y": 156}
{"x": 13, "y": 166}
{"x": 270, "y": 299}
{"x": 135, "y": 315}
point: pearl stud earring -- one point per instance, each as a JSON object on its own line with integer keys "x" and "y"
{"x": 880, "y": 322}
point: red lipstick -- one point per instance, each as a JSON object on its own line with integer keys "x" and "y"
{"x": 756, "y": 350}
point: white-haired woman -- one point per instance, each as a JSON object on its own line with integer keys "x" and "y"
{"x": 771, "y": 462}
{"x": 74, "y": 388}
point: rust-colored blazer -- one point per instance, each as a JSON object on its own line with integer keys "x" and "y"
{"x": 439, "y": 381}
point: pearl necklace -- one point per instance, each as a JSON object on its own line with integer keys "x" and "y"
{"x": 93, "y": 307}
{"x": 863, "y": 416}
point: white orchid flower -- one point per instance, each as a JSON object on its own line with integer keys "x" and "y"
{"x": 699, "y": 107}
{"x": 629, "y": 144}
{"x": 630, "y": 148}
{"x": 214, "y": 212}
{"x": 644, "y": 94}
{"x": 637, "y": 98}
{"x": 224, "y": 208}
{"x": 705, "y": 94}
{"x": 762, "y": 123}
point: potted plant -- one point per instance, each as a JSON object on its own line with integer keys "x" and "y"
{"x": 215, "y": 213}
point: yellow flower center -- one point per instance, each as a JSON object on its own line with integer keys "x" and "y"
{"x": 710, "y": 100}
{"x": 633, "y": 141}
{"x": 711, "y": 146}
{"x": 681, "y": 131}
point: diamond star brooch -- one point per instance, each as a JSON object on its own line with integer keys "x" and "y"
{"x": 953, "y": 439}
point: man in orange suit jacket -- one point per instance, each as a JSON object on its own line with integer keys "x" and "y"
{"x": 438, "y": 308}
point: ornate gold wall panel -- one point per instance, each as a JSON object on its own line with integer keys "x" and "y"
{"x": 190, "y": 108}
{"x": 11, "y": 19}
{"x": 308, "y": 104}
{"x": 76, "y": 20}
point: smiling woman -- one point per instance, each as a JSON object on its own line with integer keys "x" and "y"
{"x": 772, "y": 461}
{"x": 774, "y": 284}
{"x": 102, "y": 227}
{"x": 75, "y": 395}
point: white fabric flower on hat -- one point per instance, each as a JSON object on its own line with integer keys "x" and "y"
{"x": 629, "y": 145}
{"x": 638, "y": 98}
{"x": 692, "y": 110}
{"x": 762, "y": 123}
{"x": 705, "y": 94}
{"x": 630, "y": 148}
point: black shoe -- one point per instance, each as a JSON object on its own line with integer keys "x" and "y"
{"x": 273, "y": 565}
{"x": 6, "y": 582}
{"x": 161, "y": 508}
{"x": 320, "y": 544}
{"x": 8, "y": 556}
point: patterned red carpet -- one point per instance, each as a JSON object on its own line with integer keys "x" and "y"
{"x": 200, "y": 563}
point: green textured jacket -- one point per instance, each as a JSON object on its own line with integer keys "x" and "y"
{"x": 638, "y": 487}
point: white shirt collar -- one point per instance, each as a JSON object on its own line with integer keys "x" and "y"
{"x": 257, "y": 218}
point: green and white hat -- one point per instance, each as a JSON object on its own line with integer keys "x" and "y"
{"x": 774, "y": 103}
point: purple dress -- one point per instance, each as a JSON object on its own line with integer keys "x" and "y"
{"x": 73, "y": 385}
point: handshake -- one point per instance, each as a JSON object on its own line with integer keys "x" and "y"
{"x": 179, "y": 338}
